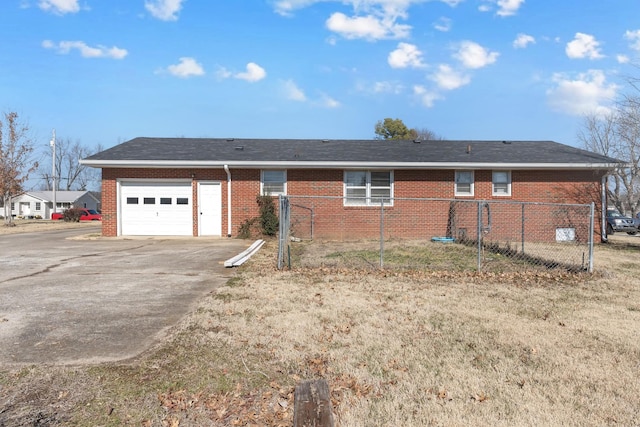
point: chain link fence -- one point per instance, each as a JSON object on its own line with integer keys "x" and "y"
{"x": 437, "y": 234}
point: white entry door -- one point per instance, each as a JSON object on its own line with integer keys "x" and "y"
{"x": 209, "y": 209}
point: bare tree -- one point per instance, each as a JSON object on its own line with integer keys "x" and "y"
{"x": 426, "y": 134}
{"x": 617, "y": 135}
{"x": 16, "y": 149}
{"x": 72, "y": 175}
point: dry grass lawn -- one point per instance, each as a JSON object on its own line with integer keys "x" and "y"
{"x": 402, "y": 348}
{"x": 37, "y": 225}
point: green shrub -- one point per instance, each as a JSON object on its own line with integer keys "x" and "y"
{"x": 268, "y": 218}
{"x": 266, "y": 224}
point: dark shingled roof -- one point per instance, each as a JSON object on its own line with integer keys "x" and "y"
{"x": 298, "y": 152}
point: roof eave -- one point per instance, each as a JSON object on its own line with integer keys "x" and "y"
{"x": 199, "y": 164}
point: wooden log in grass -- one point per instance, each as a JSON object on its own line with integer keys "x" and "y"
{"x": 312, "y": 405}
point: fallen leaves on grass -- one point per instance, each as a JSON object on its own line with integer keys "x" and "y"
{"x": 268, "y": 406}
{"x": 480, "y": 397}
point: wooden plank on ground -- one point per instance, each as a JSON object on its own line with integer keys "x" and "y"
{"x": 312, "y": 405}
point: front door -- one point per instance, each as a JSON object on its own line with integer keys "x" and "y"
{"x": 25, "y": 208}
{"x": 209, "y": 209}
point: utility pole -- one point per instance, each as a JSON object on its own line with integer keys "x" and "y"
{"x": 53, "y": 170}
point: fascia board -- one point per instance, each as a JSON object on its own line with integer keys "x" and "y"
{"x": 42, "y": 199}
{"x": 340, "y": 165}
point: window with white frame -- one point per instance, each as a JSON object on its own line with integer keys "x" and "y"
{"x": 38, "y": 206}
{"x": 368, "y": 188}
{"x": 464, "y": 183}
{"x": 501, "y": 183}
{"x": 273, "y": 182}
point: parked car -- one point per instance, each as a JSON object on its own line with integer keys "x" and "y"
{"x": 616, "y": 222}
{"x": 85, "y": 215}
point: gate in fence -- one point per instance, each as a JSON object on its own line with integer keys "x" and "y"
{"x": 412, "y": 233}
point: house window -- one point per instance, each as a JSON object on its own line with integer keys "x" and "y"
{"x": 165, "y": 200}
{"x": 182, "y": 201}
{"x": 273, "y": 182}
{"x": 501, "y": 182}
{"x": 149, "y": 200}
{"x": 38, "y": 206}
{"x": 464, "y": 183}
{"x": 13, "y": 207}
{"x": 368, "y": 188}
{"x": 132, "y": 200}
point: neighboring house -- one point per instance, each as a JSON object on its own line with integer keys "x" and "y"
{"x": 34, "y": 204}
{"x": 188, "y": 186}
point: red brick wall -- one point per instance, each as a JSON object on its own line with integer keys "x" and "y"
{"x": 335, "y": 220}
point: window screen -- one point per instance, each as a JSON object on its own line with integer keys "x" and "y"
{"x": 274, "y": 182}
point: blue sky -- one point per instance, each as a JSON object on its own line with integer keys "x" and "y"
{"x": 107, "y": 71}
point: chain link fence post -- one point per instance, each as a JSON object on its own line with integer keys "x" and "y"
{"x": 381, "y": 233}
{"x": 591, "y": 230}
{"x": 523, "y": 233}
{"x": 479, "y": 235}
{"x": 283, "y": 228}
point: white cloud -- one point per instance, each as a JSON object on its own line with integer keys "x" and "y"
{"x": 293, "y": 92}
{"x": 622, "y": 59}
{"x": 387, "y": 87}
{"x": 253, "y": 73}
{"x": 188, "y": 67}
{"x": 522, "y": 40}
{"x": 59, "y": 7}
{"x": 405, "y": 55}
{"x": 427, "y": 97}
{"x": 583, "y": 46}
{"x": 472, "y": 55}
{"x": 165, "y": 10}
{"x": 366, "y": 27}
{"x": 371, "y": 19}
{"x": 65, "y": 47}
{"x": 634, "y": 39}
{"x": 442, "y": 24}
{"x": 508, "y": 7}
{"x": 287, "y": 7}
{"x": 328, "y": 102}
{"x": 449, "y": 79}
{"x": 505, "y": 7}
{"x": 222, "y": 73}
{"x": 586, "y": 94}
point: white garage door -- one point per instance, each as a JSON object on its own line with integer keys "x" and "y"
{"x": 156, "y": 209}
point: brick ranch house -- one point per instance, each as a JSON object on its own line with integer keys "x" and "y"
{"x": 208, "y": 187}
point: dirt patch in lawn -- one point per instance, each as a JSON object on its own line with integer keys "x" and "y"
{"x": 410, "y": 348}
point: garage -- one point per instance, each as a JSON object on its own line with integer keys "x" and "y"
{"x": 156, "y": 208}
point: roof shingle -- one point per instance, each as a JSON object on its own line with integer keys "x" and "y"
{"x": 298, "y": 152}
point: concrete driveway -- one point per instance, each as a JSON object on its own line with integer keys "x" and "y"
{"x": 67, "y": 301}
